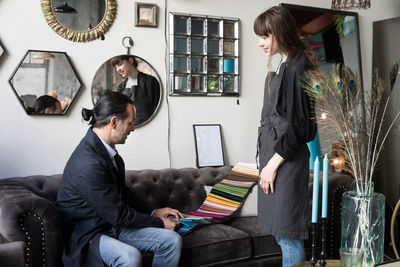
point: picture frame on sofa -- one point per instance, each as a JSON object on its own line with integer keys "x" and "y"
{"x": 208, "y": 143}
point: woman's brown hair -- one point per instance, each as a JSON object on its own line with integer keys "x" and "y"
{"x": 279, "y": 22}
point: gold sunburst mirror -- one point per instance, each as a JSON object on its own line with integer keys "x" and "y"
{"x": 79, "y": 21}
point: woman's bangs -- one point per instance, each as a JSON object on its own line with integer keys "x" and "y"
{"x": 261, "y": 27}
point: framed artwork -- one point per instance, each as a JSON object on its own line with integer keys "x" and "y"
{"x": 208, "y": 141}
{"x": 145, "y": 15}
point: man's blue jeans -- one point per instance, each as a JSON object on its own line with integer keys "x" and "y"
{"x": 125, "y": 251}
{"x": 292, "y": 251}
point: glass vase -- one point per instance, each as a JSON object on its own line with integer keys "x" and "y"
{"x": 363, "y": 222}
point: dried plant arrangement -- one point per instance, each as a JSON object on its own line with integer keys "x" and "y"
{"x": 359, "y": 118}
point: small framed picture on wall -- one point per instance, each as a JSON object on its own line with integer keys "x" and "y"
{"x": 145, "y": 15}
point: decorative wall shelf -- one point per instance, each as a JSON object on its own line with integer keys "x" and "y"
{"x": 204, "y": 54}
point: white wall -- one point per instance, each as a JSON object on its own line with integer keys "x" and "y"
{"x": 42, "y": 145}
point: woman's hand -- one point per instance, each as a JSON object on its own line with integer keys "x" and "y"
{"x": 268, "y": 173}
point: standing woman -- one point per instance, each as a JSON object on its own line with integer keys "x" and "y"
{"x": 287, "y": 124}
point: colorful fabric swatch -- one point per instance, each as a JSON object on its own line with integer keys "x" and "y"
{"x": 226, "y": 197}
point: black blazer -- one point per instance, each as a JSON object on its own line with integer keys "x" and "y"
{"x": 145, "y": 96}
{"x": 93, "y": 200}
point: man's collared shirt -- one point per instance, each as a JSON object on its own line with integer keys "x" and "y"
{"x": 110, "y": 150}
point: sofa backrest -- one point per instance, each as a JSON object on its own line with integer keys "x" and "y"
{"x": 182, "y": 189}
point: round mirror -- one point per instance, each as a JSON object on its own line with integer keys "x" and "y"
{"x": 134, "y": 77}
{"x": 45, "y": 82}
{"x": 79, "y": 21}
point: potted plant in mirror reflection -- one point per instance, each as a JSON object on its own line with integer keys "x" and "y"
{"x": 362, "y": 121}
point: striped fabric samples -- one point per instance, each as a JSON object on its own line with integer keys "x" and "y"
{"x": 226, "y": 197}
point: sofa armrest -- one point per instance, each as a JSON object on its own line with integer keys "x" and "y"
{"x": 12, "y": 254}
{"x": 27, "y": 217}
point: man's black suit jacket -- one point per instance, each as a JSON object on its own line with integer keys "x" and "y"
{"x": 93, "y": 200}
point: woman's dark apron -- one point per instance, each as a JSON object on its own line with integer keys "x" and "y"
{"x": 283, "y": 213}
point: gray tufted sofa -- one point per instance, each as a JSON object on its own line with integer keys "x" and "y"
{"x": 30, "y": 230}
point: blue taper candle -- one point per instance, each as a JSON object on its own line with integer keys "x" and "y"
{"x": 314, "y": 217}
{"x": 325, "y": 188}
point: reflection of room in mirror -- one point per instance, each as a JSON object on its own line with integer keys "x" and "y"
{"x": 213, "y": 64}
{"x": 106, "y": 77}
{"x": 229, "y": 30}
{"x": 140, "y": 83}
{"x": 89, "y": 14}
{"x": 229, "y": 47}
{"x": 197, "y": 27}
{"x": 180, "y": 64}
{"x": 181, "y": 83}
{"x": 37, "y": 77}
{"x": 213, "y": 47}
{"x": 180, "y": 25}
{"x": 198, "y": 83}
{"x": 197, "y": 64}
{"x": 198, "y": 45}
{"x": 331, "y": 35}
{"x": 180, "y": 44}
{"x": 203, "y": 50}
{"x": 213, "y": 28}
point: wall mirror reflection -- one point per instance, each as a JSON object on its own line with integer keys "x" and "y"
{"x": 1, "y": 50}
{"x": 45, "y": 82}
{"x": 79, "y": 21}
{"x": 203, "y": 55}
{"x": 79, "y": 15}
{"x": 332, "y": 35}
{"x": 134, "y": 77}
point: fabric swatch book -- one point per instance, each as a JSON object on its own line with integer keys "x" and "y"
{"x": 224, "y": 199}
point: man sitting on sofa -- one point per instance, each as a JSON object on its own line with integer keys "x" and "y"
{"x": 102, "y": 221}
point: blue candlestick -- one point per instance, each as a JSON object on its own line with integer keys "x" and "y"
{"x": 325, "y": 188}
{"x": 314, "y": 217}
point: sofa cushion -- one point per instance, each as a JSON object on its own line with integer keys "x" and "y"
{"x": 216, "y": 243}
{"x": 263, "y": 245}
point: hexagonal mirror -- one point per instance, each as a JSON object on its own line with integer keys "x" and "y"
{"x": 45, "y": 82}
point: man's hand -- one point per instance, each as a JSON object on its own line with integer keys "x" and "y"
{"x": 169, "y": 223}
{"x": 170, "y": 217}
